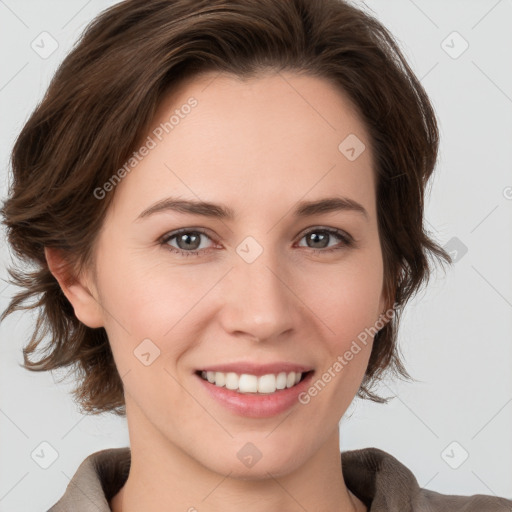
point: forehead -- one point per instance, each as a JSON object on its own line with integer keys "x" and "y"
{"x": 275, "y": 137}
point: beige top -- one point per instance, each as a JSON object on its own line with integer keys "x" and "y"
{"x": 378, "y": 479}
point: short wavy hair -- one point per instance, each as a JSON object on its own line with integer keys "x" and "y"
{"x": 102, "y": 100}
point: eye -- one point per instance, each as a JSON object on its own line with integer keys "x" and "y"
{"x": 188, "y": 241}
{"x": 320, "y": 238}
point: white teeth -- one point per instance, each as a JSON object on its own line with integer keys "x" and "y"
{"x": 281, "y": 380}
{"x": 246, "y": 383}
{"x": 231, "y": 381}
{"x": 219, "y": 379}
{"x": 267, "y": 383}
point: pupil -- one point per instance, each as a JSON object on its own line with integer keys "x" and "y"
{"x": 187, "y": 238}
{"x": 321, "y": 237}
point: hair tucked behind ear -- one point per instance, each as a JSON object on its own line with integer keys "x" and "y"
{"x": 102, "y": 100}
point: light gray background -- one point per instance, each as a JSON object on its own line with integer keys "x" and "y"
{"x": 456, "y": 335}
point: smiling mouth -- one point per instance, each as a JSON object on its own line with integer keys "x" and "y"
{"x": 246, "y": 383}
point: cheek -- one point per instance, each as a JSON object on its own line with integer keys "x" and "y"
{"x": 149, "y": 328}
{"x": 142, "y": 291}
{"x": 349, "y": 300}
{"x": 154, "y": 302}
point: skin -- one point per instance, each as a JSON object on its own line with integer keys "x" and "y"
{"x": 258, "y": 146}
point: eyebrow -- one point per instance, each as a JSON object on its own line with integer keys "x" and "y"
{"x": 219, "y": 211}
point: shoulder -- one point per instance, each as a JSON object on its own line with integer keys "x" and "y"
{"x": 385, "y": 484}
{"x": 96, "y": 481}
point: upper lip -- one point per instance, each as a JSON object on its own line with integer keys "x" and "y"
{"x": 257, "y": 369}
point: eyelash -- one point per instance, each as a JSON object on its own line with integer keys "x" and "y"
{"x": 346, "y": 239}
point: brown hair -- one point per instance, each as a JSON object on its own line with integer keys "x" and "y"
{"x": 102, "y": 100}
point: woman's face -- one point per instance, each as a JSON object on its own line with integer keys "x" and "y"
{"x": 271, "y": 284}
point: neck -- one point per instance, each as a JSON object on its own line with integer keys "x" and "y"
{"x": 164, "y": 477}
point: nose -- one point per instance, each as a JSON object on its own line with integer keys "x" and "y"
{"x": 259, "y": 300}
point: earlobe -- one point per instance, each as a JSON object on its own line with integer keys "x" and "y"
{"x": 78, "y": 289}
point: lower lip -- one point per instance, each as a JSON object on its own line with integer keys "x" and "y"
{"x": 257, "y": 406}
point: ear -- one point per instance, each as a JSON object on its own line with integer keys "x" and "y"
{"x": 79, "y": 290}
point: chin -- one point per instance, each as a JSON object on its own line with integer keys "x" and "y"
{"x": 249, "y": 463}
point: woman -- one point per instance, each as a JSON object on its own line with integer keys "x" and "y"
{"x": 225, "y": 202}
